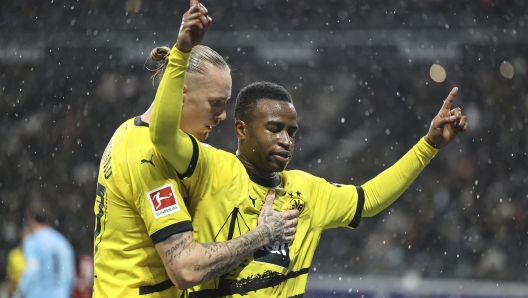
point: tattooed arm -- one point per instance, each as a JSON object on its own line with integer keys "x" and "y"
{"x": 190, "y": 263}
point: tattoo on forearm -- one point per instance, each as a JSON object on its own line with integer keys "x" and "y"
{"x": 211, "y": 249}
{"x": 178, "y": 245}
{"x": 239, "y": 249}
{"x": 224, "y": 256}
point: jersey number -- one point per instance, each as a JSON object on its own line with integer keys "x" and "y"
{"x": 100, "y": 216}
{"x": 56, "y": 264}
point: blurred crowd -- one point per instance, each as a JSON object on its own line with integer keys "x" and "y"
{"x": 360, "y": 109}
{"x": 46, "y": 16}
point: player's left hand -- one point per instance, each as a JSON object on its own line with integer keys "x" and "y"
{"x": 447, "y": 124}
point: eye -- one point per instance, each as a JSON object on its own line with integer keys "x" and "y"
{"x": 274, "y": 128}
{"x": 214, "y": 102}
{"x": 292, "y": 132}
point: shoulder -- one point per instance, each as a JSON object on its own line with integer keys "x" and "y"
{"x": 309, "y": 180}
{"x": 126, "y": 135}
{"x": 217, "y": 153}
{"x": 301, "y": 175}
{"x": 58, "y": 236}
{"x": 127, "y": 126}
{"x": 15, "y": 253}
{"x": 29, "y": 242}
{"x": 132, "y": 137}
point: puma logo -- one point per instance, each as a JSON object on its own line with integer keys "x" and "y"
{"x": 148, "y": 161}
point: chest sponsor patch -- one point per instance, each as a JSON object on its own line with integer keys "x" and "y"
{"x": 163, "y": 200}
{"x": 275, "y": 255}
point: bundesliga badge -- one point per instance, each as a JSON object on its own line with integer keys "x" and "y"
{"x": 163, "y": 200}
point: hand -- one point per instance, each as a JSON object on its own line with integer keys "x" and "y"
{"x": 281, "y": 225}
{"x": 447, "y": 124}
{"x": 194, "y": 25}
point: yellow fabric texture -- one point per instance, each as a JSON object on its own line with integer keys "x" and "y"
{"x": 224, "y": 203}
{"x": 131, "y": 175}
{"x": 15, "y": 264}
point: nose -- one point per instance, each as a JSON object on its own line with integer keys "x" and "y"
{"x": 285, "y": 140}
{"x": 222, "y": 115}
{"x": 221, "y": 111}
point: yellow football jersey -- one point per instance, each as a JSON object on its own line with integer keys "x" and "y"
{"x": 138, "y": 203}
{"x": 225, "y": 201}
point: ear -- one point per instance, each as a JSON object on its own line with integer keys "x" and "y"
{"x": 185, "y": 89}
{"x": 240, "y": 129}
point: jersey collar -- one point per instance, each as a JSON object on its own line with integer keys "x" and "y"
{"x": 266, "y": 182}
{"x": 139, "y": 122}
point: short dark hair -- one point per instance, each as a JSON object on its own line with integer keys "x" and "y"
{"x": 39, "y": 211}
{"x": 248, "y": 97}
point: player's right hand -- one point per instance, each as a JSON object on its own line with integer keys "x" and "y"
{"x": 281, "y": 225}
{"x": 194, "y": 25}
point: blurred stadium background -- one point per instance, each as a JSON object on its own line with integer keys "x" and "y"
{"x": 366, "y": 76}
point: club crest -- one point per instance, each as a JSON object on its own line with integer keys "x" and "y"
{"x": 297, "y": 203}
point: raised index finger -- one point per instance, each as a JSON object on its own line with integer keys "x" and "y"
{"x": 194, "y": 2}
{"x": 450, "y": 98}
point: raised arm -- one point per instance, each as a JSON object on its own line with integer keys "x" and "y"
{"x": 190, "y": 263}
{"x": 385, "y": 188}
{"x": 164, "y": 125}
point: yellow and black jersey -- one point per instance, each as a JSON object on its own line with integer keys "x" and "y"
{"x": 139, "y": 202}
{"x": 225, "y": 201}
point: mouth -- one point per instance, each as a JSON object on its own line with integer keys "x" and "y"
{"x": 282, "y": 156}
{"x": 210, "y": 127}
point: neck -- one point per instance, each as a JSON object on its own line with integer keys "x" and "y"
{"x": 250, "y": 167}
{"x": 35, "y": 226}
{"x": 146, "y": 116}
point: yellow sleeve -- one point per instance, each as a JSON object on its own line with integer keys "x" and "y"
{"x": 159, "y": 197}
{"x": 337, "y": 205}
{"x": 164, "y": 124}
{"x": 385, "y": 188}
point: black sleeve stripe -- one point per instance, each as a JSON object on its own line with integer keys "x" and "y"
{"x": 194, "y": 159}
{"x": 359, "y": 209}
{"x": 168, "y": 231}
